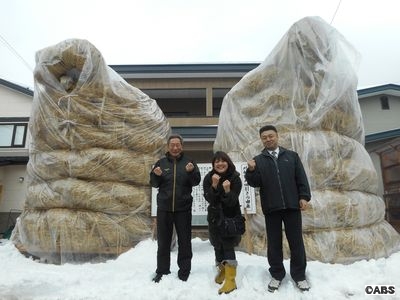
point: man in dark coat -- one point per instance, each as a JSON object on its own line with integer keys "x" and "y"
{"x": 174, "y": 176}
{"x": 284, "y": 192}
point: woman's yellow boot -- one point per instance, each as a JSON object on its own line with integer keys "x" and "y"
{"x": 230, "y": 283}
{"x": 221, "y": 273}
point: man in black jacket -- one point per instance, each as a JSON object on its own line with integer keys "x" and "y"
{"x": 284, "y": 192}
{"x": 174, "y": 176}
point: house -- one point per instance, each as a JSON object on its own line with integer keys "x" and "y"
{"x": 190, "y": 96}
{"x": 380, "y": 106}
{"x": 15, "y": 102}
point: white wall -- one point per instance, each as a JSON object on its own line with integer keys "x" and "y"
{"x": 14, "y": 192}
{"x": 378, "y": 120}
{"x": 14, "y": 104}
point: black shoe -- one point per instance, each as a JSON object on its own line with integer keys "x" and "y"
{"x": 157, "y": 278}
{"x": 183, "y": 277}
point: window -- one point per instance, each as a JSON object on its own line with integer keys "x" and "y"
{"x": 12, "y": 135}
{"x": 385, "y": 102}
{"x": 180, "y": 102}
{"x": 218, "y": 96}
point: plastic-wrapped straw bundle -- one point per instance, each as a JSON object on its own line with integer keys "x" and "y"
{"x": 94, "y": 137}
{"x": 307, "y": 88}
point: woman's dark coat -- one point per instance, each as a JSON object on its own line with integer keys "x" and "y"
{"x": 228, "y": 201}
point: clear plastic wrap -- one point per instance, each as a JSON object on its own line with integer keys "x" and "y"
{"x": 94, "y": 138}
{"x": 307, "y": 88}
{"x": 121, "y": 165}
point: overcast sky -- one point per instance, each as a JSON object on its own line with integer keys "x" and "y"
{"x": 194, "y": 31}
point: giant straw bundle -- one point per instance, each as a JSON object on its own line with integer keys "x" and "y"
{"x": 94, "y": 138}
{"x": 307, "y": 88}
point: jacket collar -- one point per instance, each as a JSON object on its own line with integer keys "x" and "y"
{"x": 171, "y": 158}
{"x": 266, "y": 152}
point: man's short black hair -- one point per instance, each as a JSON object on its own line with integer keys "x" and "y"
{"x": 175, "y": 136}
{"x": 268, "y": 127}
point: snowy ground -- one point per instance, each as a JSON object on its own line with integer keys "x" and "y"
{"x": 129, "y": 277}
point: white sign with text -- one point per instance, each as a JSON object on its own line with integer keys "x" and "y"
{"x": 199, "y": 208}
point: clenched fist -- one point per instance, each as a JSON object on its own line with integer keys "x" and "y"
{"x": 157, "y": 171}
{"x": 189, "y": 167}
{"x": 227, "y": 186}
{"x": 215, "y": 179}
{"x": 251, "y": 165}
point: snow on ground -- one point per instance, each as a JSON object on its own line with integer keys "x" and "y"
{"x": 129, "y": 277}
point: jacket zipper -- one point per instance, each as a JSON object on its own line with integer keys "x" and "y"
{"x": 279, "y": 181}
{"x": 174, "y": 186}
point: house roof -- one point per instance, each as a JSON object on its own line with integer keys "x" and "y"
{"x": 386, "y": 89}
{"x": 184, "y": 70}
{"x": 196, "y": 132}
{"x": 385, "y": 135}
{"x": 16, "y": 87}
{"x": 387, "y": 144}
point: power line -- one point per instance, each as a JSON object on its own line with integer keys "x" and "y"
{"x": 15, "y": 52}
{"x": 334, "y": 15}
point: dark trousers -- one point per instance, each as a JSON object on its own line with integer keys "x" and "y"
{"x": 224, "y": 253}
{"x": 293, "y": 230}
{"x": 183, "y": 227}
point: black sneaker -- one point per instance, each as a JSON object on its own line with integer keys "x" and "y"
{"x": 303, "y": 285}
{"x": 157, "y": 278}
{"x": 273, "y": 285}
